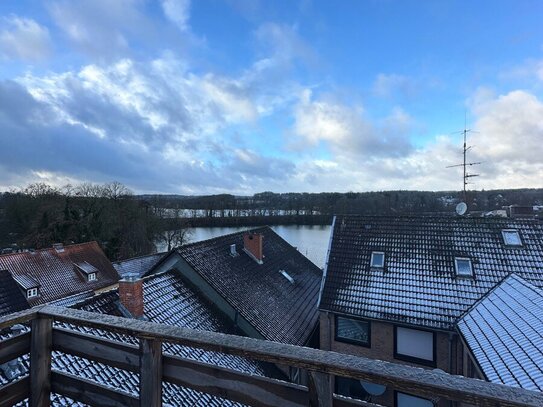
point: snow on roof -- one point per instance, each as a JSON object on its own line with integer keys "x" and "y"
{"x": 504, "y": 332}
{"x": 54, "y": 271}
{"x": 280, "y": 310}
{"x": 168, "y": 300}
{"x": 418, "y": 284}
{"x": 138, "y": 265}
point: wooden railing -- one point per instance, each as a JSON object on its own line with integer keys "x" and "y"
{"x": 154, "y": 367}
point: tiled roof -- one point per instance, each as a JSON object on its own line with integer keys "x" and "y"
{"x": 168, "y": 300}
{"x": 11, "y": 297}
{"x": 56, "y": 272}
{"x": 280, "y": 310}
{"x": 504, "y": 332}
{"x": 137, "y": 265}
{"x": 418, "y": 284}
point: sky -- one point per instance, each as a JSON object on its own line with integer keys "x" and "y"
{"x": 244, "y": 96}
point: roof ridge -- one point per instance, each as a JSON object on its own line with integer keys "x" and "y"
{"x": 140, "y": 257}
{"x": 91, "y": 242}
{"x": 221, "y": 237}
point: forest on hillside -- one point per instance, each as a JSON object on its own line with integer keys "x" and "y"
{"x": 330, "y": 203}
{"x": 39, "y": 215}
{"x": 128, "y": 225}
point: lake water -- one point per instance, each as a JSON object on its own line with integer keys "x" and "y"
{"x": 312, "y": 241}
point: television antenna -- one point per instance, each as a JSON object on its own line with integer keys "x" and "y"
{"x": 466, "y": 164}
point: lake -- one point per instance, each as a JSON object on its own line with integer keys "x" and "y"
{"x": 312, "y": 241}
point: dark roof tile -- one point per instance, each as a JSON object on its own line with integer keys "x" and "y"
{"x": 418, "y": 284}
{"x": 11, "y": 297}
{"x": 279, "y": 310}
{"x": 56, "y": 273}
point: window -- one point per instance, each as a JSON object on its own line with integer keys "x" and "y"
{"x": 377, "y": 259}
{"x": 511, "y": 237}
{"x": 92, "y": 277}
{"x": 407, "y": 400}
{"x": 32, "y": 292}
{"x": 414, "y": 345}
{"x": 463, "y": 267}
{"x": 353, "y": 331}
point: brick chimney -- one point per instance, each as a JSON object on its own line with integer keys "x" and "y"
{"x": 252, "y": 245}
{"x": 131, "y": 295}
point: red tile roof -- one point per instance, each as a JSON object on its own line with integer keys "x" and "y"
{"x": 56, "y": 271}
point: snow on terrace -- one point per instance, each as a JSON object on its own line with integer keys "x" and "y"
{"x": 505, "y": 334}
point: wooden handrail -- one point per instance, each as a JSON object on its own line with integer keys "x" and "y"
{"x": 401, "y": 377}
{"x": 320, "y": 364}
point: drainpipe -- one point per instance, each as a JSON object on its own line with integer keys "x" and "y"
{"x": 451, "y": 403}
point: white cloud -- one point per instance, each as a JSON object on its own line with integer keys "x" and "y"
{"x": 23, "y": 38}
{"x": 347, "y": 130}
{"x": 177, "y": 11}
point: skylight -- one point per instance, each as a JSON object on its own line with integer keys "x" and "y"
{"x": 511, "y": 237}
{"x": 377, "y": 259}
{"x": 463, "y": 267}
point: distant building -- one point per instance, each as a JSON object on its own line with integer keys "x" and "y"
{"x": 395, "y": 288}
{"x": 52, "y": 274}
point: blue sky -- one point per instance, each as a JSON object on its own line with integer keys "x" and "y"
{"x": 241, "y": 96}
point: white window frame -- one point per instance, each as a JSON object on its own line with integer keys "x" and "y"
{"x": 457, "y": 269}
{"x": 413, "y": 356}
{"x": 515, "y": 231}
{"x": 32, "y": 292}
{"x": 382, "y": 265}
{"x": 92, "y": 277}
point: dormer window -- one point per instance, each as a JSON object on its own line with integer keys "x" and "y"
{"x": 511, "y": 237}
{"x": 463, "y": 267}
{"x": 32, "y": 292}
{"x": 88, "y": 270}
{"x": 377, "y": 260}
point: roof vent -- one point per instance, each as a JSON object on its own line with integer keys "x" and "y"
{"x": 233, "y": 251}
{"x": 287, "y": 276}
{"x": 59, "y": 247}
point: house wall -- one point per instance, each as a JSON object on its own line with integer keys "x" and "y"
{"x": 382, "y": 348}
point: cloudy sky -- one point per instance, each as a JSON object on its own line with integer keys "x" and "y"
{"x": 242, "y": 96}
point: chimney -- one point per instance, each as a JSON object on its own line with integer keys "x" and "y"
{"x": 131, "y": 295}
{"x": 59, "y": 247}
{"x": 252, "y": 245}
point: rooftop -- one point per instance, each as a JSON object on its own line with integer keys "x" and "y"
{"x": 137, "y": 265}
{"x": 58, "y": 273}
{"x": 504, "y": 332}
{"x": 11, "y": 297}
{"x": 281, "y": 309}
{"x": 419, "y": 283}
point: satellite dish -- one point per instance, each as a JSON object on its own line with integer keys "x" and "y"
{"x": 373, "y": 389}
{"x": 461, "y": 208}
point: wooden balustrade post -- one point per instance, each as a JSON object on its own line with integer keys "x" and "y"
{"x": 321, "y": 390}
{"x": 40, "y": 362}
{"x": 150, "y": 373}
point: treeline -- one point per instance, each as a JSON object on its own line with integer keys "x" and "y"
{"x": 296, "y": 204}
{"x": 39, "y": 215}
